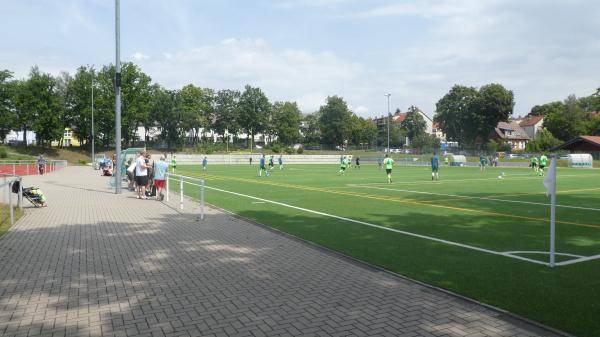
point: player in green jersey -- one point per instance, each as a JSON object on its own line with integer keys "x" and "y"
{"x": 534, "y": 163}
{"x": 543, "y": 163}
{"x": 173, "y": 163}
{"x": 343, "y": 165}
{"x": 388, "y": 163}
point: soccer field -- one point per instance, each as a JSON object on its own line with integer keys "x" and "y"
{"x": 471, "y": 232}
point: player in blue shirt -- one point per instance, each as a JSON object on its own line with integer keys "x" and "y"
{"x": 262, "y": 167}
{"x": 271, "y": 163}
{"x": 204, "y": 163}
{"x": 435, "y": 165}
{"x": 280, "y": 160}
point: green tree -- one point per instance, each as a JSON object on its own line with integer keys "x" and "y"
{"x": 397, "y": 134}
{"x": 454, "y": 115}
{"x": 492, "y": 104}
{"x": 369, "y": 132}
{"x": 286, "y": 122}
{"x": 414, "y": 124}
{"x": 426, "y": 142}
{"x": 543, "y": 142}
{"x": 568, "y": 123}
{"x": 591, "y": 103}
{"x": 78, "y": 104}
{"x": 254, "y": 111}
{"x": 547, "y": 109}
{"x": 164, "y": 110}
{"x": 195, "y": 110}
{"x": 38, "y": 107}
{"x": 7, "y": 108}
{"x": 334, "y": 121}
{"x": 226, "y": 113}
{"x": 469, "y": 116}
{"x": 311, "y": 131}
{"x": 355, "y": 130}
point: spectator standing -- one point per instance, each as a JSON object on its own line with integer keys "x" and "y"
{"x": 141, "y": 175}
{"x": 160, "y": 171}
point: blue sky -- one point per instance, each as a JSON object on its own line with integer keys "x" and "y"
{"x": 305, "y": 50}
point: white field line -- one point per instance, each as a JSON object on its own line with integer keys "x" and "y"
{"x": 489, "y": 251}
{"x": 477, "y": 198}
{"x": 509, "y": 177}
{"x": 542, "y": 252}
{"x": 581, "y": 259}
{"x": 431, "y": 238}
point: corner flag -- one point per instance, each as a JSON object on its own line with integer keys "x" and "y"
{"x": 550, "y": 179}
{"x": 550, "y": 184}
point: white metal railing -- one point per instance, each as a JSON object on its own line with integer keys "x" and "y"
{"x": 186, "y": 180}
{"x": 27, "y": 167}
{"x": 6, "y": 187}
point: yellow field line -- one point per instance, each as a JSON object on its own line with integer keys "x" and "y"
{"x": 394, "y": 199}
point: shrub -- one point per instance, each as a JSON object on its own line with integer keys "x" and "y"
{"x": 276, "y": 147}
{"x": 300, "y": 150}
{"x": 3, "y": 153}
{"x": 289, "y": 150}
{"x": 82, "y": 162}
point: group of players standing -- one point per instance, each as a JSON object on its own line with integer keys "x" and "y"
{"x": 263, "y": 167}
{"x": 539, "y": 164}
{"x": 388, "y": 164}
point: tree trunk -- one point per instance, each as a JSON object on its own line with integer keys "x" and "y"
{"x": 25, "y": 135}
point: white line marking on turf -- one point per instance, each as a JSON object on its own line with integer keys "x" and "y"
{"x": 489, "y": 251}
{"x": 510, "y": 177}
{"x": 582, "y": 259}
{"x": 258, "y": 202}
{"x": 451, "y": 243}
{"x": 542, "y": 252}
{"x": 478, "y": 198}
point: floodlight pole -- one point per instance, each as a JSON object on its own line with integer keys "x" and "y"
{"x": 553, "y": 212}
{"x": 117, "y": 168}
{"x": 93, "y": 152}
{"x": 388, "y": 122}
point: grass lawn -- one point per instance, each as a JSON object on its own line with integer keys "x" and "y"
{"x": 74, "y": 156}
{"x": 486, "y": 224}
{"x": 5, "y": 218}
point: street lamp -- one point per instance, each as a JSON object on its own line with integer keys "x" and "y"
{"x": 93, "y": 153}
{"x": 117, "y": 166}
{"x": 388, "y": 122}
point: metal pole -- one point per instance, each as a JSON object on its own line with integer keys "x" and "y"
{"x": 552, "y": 213}
{"x": 93, "y": 152}
{"x": 388, "y": 122}
{"x": 21, "y": 193}
{"x": 202, "y": 200}
{"x": 168, "y": 178}
{"x": 180, "y": 192}
{"x": 117, "y": 167}
{"x": 12, "y": 211}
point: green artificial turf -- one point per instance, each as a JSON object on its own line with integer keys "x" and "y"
{"x": 466, "y": 206}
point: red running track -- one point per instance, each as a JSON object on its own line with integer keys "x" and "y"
{"x": 22, "y": 169}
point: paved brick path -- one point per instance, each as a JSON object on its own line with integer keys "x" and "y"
{"x": 94, "y": 263}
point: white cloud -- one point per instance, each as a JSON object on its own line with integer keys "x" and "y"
{"x": 310, "y": 3}
{"x": 289, "y": 74}
{"x": 137, "y": 56}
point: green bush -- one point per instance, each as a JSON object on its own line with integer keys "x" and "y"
{"x": 82, "y": 162}
{"x": 300, "y": 150}
{"x": 276, "y": 147}
{"x": 3, "y": 153}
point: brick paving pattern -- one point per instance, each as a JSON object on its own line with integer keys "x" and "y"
{"x": 98, "y": 264}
